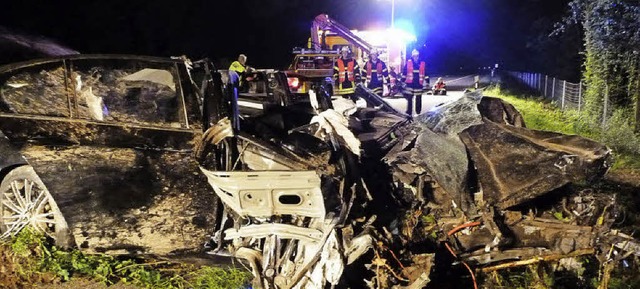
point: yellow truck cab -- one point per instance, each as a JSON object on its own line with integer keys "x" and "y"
{"x": 309, "y": 67}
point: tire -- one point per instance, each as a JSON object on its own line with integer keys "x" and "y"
{"x": 25, "y": 201}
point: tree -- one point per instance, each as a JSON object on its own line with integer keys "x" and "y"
{"x": 612, "y": 55}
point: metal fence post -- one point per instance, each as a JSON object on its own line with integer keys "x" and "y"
{"x": 546, "y": 79}
{"x": 564, "y": 92}
{"x": 539, "y": 82}
{"x": 579, "y": 95}
{"x": 531, "y": 80}
{"x": 553, "y": 89}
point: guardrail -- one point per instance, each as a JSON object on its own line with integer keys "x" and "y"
{"x": 564, "y": 94}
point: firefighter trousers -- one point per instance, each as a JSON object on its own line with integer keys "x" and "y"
{"x": 409, "y": 94}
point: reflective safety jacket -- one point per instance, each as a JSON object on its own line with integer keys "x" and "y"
{"x": 345, "y": 73}
{"x": 237, "y": 67}
{"x": 376, "y": 73}
{"x": 415, "y": 74}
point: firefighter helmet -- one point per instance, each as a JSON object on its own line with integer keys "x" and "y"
{"x": 374, "y": 51}
{"x": 415, "y": 52}
{"x": 344, "y": 49}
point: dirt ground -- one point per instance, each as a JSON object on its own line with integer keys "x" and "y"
{"x": 625, "y": 177}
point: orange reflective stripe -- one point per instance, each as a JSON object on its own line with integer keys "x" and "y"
{"x": 409, "y": 71}
{"x": 422, "y": 71}
{"x": 350, "y": 73}
{"x": 341, "y": 71}
{"x": 378, "y": 70}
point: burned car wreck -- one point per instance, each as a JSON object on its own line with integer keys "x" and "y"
{"x": 466, "y": 176}
{"x": 140, "y": 155}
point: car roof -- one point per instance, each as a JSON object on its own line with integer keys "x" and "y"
{"x": 32, "y": 62}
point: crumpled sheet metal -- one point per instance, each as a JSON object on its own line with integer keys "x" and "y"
{"x": 442, "y": 157}
{"x": 331, "y": 121}
{"x": 499, "y": 111}
{"x": 454, "y": 117}
{"x": 516, "y": 164}
{"x": 434, "y": 148}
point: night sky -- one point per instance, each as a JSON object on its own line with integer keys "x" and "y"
{"x": 451, "y": 34}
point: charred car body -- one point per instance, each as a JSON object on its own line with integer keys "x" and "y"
{"x": 113, "y": 154}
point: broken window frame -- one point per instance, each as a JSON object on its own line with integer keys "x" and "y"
{"x": 72, "y": 98}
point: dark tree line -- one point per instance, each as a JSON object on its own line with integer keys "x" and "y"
{"x": 611, "y": 68}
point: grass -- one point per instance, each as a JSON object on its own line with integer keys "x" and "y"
{"x": 33, "y": 260}
{"x": 540, "y": 114}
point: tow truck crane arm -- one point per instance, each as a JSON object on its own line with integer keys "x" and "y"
{"x": 323, "y": 22}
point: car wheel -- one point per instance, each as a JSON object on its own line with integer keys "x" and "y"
{"x": 25, "y": 201}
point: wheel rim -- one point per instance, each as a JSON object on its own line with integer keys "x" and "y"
{"x": 25, "y": 203}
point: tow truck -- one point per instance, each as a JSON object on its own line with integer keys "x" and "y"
{"x": 314, "y": 65}
{"x": 309, "y": 67}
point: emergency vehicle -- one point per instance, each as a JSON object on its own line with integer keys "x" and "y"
{"x": 315, "y": 63}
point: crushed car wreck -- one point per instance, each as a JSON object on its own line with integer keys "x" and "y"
{"x": 158, "y": 156}
{"x": 464, "y": 167}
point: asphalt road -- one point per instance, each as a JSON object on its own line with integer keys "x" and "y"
{"x": 455, "y": 88}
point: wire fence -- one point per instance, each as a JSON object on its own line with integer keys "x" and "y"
{"x": 566, "y": 95}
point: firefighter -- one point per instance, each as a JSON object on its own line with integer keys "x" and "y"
{"x": 376, "y": 73}
{"x": 440, "y": 87}
{"x": 416, "y": 80}
{"x": 346, "y": 73}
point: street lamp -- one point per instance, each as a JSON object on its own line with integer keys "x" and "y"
{"x": 393, "y": 6}
{"x": 393, "y": 10}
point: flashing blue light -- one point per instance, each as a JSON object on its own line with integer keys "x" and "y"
{"x": 403, "y": 31}
{"x": 406, "y": 25}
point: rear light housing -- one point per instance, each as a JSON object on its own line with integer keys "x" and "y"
{"x": 294, "y": 83}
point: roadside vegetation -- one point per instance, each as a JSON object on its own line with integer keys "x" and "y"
{"x": 540, "y": 114}
{"x": 29, "y": 261}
